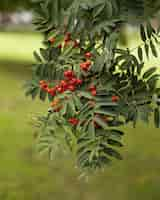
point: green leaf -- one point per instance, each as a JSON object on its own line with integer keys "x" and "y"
{"x": 97, "y": 10}
{"x": 43, "y": 95}
{"x": 99, "y": 104}
{"x": 64, "y": 109}
{"x": 115, "y": 143}
{"x": 106, "y": 112}
{"x": 153, "y": 80}
{"x": 142, "y": 33}
{"x": 157, "y": 117}
{"x": 44, "y": 53}
{"x": 86, "y": 95}
{"x": 140, "y": 54}
{"x": 37, "y": 57}
{"x": 113, "y": 153}
{"x": 71, "y": 107}
{"x": 149, "y": 30}
{"x": 146, "y": 49}
{"x": 101, "y": 122}
{"x": 153, "y": 48}
{"x": 116, "y": 132}
{"x": 149, "y": 72}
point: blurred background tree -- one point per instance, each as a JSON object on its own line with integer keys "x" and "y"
{"x": 9, "y": 6}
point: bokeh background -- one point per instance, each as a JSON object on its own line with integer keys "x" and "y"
{"x": 24, "y": 175}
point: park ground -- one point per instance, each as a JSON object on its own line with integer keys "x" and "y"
{"x": 26, "y": 176}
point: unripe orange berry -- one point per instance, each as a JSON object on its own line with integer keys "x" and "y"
{"x": 55, "y": 102}
{"x": 58, "y": 109}
{"x": 41, "y": 82}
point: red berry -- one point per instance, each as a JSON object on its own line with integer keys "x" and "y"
{"x": 115, "y": 98}
{"x": 60, "y": 89}
{"x": 63, "y": 83}
{"x": 85, "y": 66}
{"x": 88, "y": 55}
{"x": 94, "y": 92}
{"x": 82, "y": 65}
{"x": 92, "y": 87}
{"x": 66, "y": 74}
{"x": 79, "y": 82}
{"x": 71, "y": 88}
{"x": 44, "y": 86}
{"x": 73, "y": 121}
{"x": 69, "y": 74}
{"x": 52, "y": 40}
{"x": 73, "y": 81}
{"x": 56, "y": 87}
{"x": 88, "y": 63}
{"x": 52, "y": 91}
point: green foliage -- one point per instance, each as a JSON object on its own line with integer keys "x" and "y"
{"x": 84, "y": 120}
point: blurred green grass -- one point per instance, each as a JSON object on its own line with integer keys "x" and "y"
{"x": 26, "y": 176}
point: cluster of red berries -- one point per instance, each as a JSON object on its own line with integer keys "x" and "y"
{"x": 70, "y": 83}
{"x": 67, "y": 40}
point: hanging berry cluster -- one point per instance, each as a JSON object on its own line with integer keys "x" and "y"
{"x": 92, "y": 86}
{"x": 72, "y": 83}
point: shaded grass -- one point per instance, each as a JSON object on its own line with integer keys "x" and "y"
{"x": 26, "y": 176}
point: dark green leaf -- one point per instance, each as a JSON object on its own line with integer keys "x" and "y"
{"x": 149, "y": 72}
{"x": 146, "y": 49}
{"x": 140, "y": 54}
{"x": 142, "y": 32}
{"x": 157, "y": 117}
{"x": 153, "y": 48}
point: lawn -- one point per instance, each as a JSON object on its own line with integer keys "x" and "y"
{"x": 26, "y": 176}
